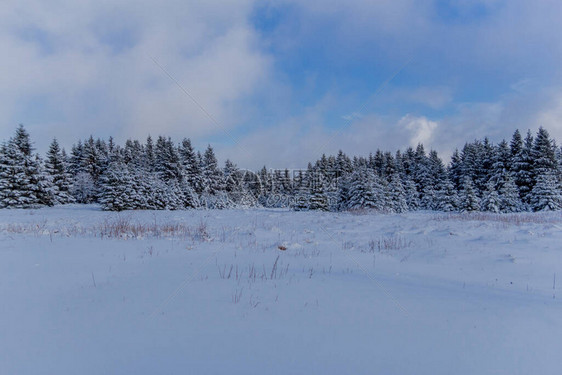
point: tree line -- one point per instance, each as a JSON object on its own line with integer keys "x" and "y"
{"x": 522, "y": 175}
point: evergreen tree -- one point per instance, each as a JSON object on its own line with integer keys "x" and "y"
{"x": 318, "y": 196}
{"x": 455, "y": 170}
{"x": 56, "y": 168}
{"x": 501, "y": 163}
{"x": 446, "y": 198}
{"x": 509, "y": 195}
{"x": 302, "y": 192}
{"x": 149, "y": 159}
{"x": 543, "y": 154}
{"x": 397, "y": 194}
{"x": 23, "y": 184}
{"x": 468, "y": 198}
{"x": 522, "y": 166}
{"x": 412, "y": 195}
{"x": 364, "y": 190}
{"x": 93, "y": 162}
{"x": 166, "y": 160}
{"x": 117, "y": 188}
{"x": 546, "y": 195}
{"x": 491, "y": 200}
{"x": 212, "y": 175}
{"x": 190, "y": 166}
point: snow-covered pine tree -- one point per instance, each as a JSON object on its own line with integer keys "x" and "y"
{"x": 412, "y": 195}
{"x": 302, "y": 192}
{"x": 455, "y": 170}
{"x": 318, "y": 197}
{"x": 471, "y": 165}
{"x": 365, "y": 190}
{"x": 190, "y": 165}
{"x": 231, "y": 176}
{"x": 501, "y": 163}
{"x": 166, "y": 160}
{"x": 93, "y": 162}
{"x": 546, "y": 194}
{"x": 468, "y": 200}
{"x": 522, "y": 165}
{"x": 397, "y": 194}
{"x": 428, "y": 198}
{"x": 343, "y": 164}
{"x": 544, "y": 155}
{"x": 486, "y": 160}
{"x": 117, "y": 188}
{"x": 491, "y": 201}
{"x": 56, "y": 168}
{"x": 446, "y": 197}
{"x": 148, "y": 156}
{"x": 509, "y": 195}
{"x": 83, "y": 189}
{"x": 343, "y": 192}
{"x": 213, "y": 181}
{"x": 23, "y": 184}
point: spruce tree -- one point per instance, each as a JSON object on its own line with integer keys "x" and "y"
{"x": 397, "y": 194}
{"x": 446, "y": 198}
{"x": 23, "y": 183}
{"x": 522, "y": 168}
{"x": 468, "y": 198}
{"x": 56, "y": 168}
{"x": 117, "y": 188}
{"x": 190, "y": 165}
{"x": 490, "y": 199}
{"x": 318, "y": 196}
{"x": 509, "y": 195}
{"x": 212, "y": 175}
{"x": 546, "y": 195}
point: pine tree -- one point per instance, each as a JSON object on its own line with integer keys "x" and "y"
{"x": 365, "y": 190}
{"x": 167, "y": 160}
{"x": 501, "y": 163}
{"x": 318, "y": 196}
{"x": 543, "y": 154}
{"x": 491, "y": 200}
{"x": 212, "y": 175}
{"x": 455, "y": 170}
{"x": 56, "y": 168}
{"x": 190, "y": 165}
{"x": 522, "y": 166}
{"x": 397, "y": 194}
{"x": 23, "y": 184}
{"x": 546, "y": 195}
{"x": 468, "y": 198}
{"x": 93, "y": 162}
{"x": 149, "y": 160}
{"x": 302, "y": 192}
{"x": 412, "y": 195}
{"x": 509, "y": 195}
{"x": 117, "y": 188}
{"x": 446, "y": 198}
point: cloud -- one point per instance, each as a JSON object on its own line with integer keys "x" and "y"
{"x": 85, "y": 67}
{"x": 421, "y": 129}
{"x": 479, "y": 68}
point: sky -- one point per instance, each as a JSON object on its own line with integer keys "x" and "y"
{"x": 281, "y": 82}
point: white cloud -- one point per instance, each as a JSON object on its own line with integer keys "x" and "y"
{"x": 551, "y": 117}
{"x": 421, "y": 129}
{"x": 85, "y": 67}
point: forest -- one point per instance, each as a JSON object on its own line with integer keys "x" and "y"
{"x": 524, "y": 174}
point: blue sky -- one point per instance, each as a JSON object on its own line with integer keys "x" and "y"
{"x": 285, "y": 81}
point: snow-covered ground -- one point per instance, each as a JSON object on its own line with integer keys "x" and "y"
{"x": 210, "y": 292}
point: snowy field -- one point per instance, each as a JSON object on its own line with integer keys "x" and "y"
{"x": 212, "y": 292}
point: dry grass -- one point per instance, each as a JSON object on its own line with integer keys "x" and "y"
{"x": 512, "y": 219}
{"x": 120, "y": 227}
